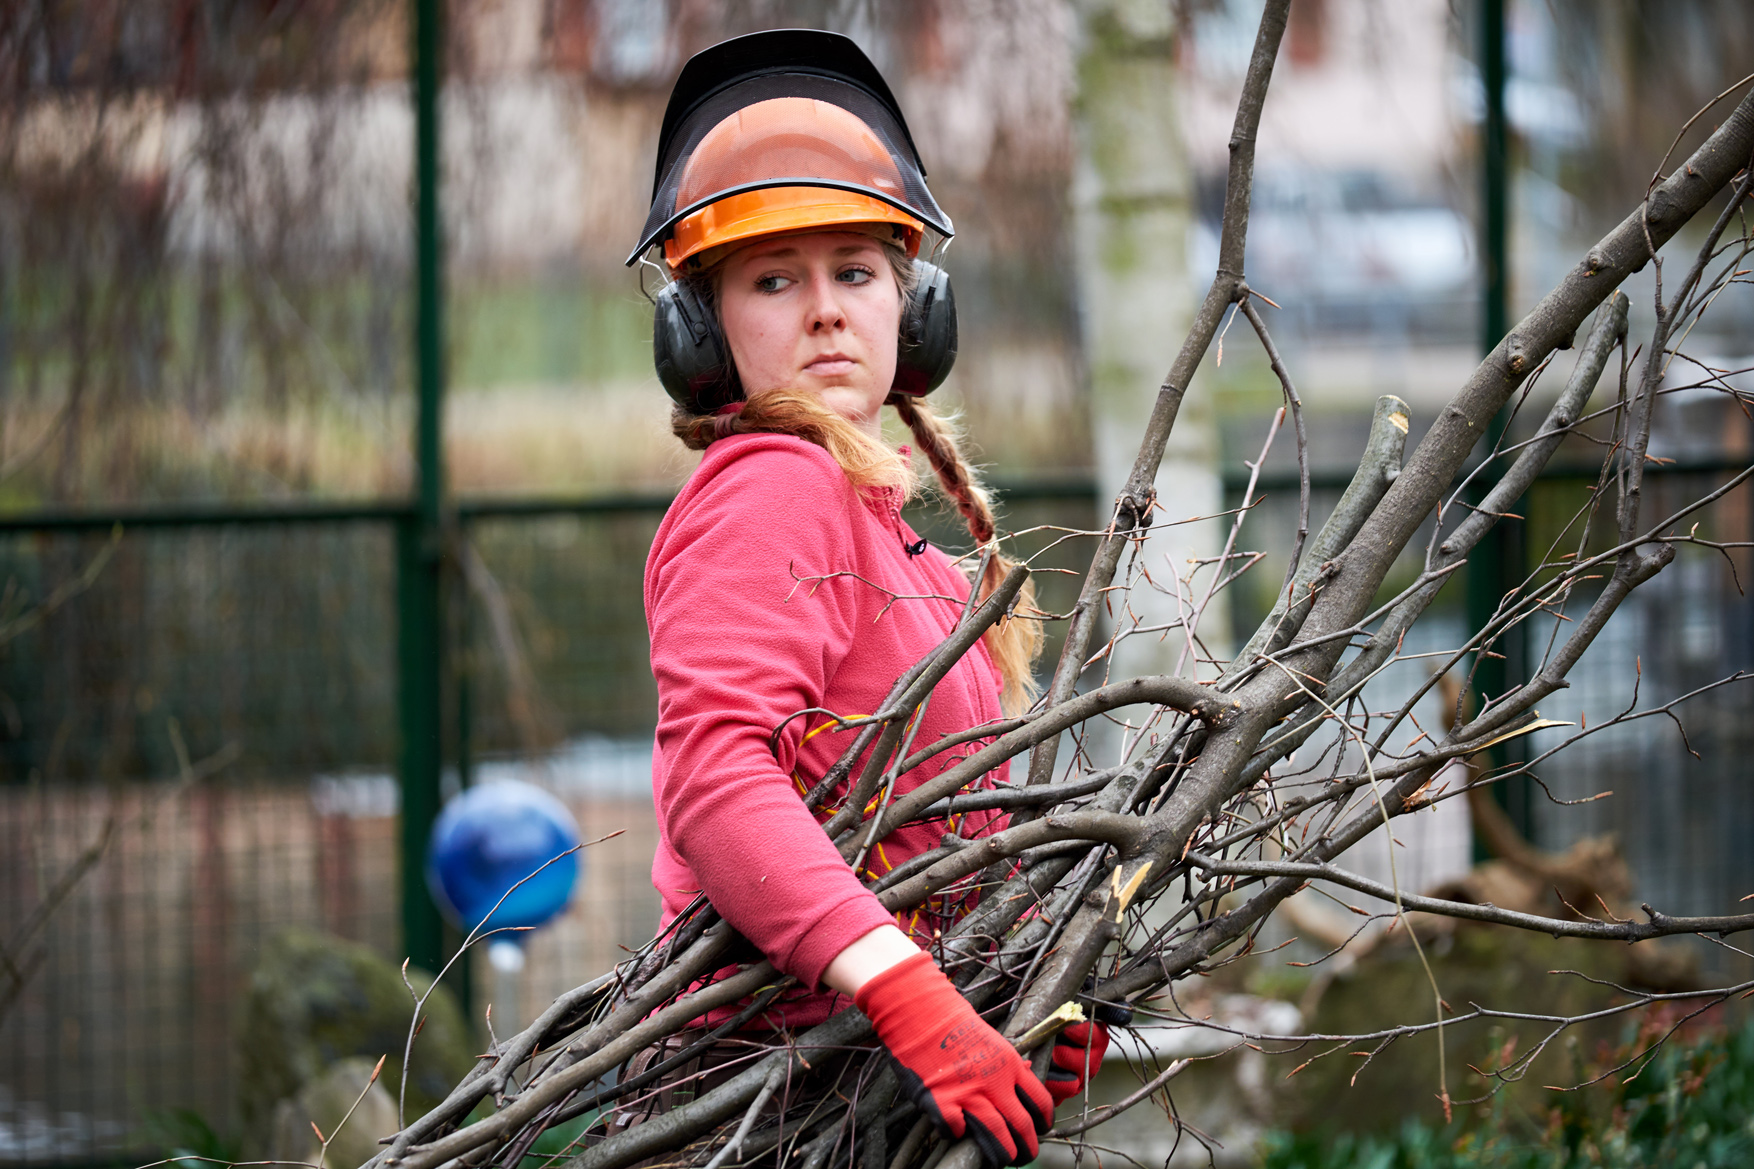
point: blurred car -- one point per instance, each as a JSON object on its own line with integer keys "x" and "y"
{"x": 1350, "y": 251}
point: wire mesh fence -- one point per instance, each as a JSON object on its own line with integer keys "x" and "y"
{"x": 198, "y": 751}
{"x": 162, "y": 731}
{"x": 1667, "y": 788}
{"x": 1680, "y": 807}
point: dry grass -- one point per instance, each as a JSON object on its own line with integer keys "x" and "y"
{"x": 563, "y": 439}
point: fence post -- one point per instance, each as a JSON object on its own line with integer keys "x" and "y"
{"x": 419, "y": 535}
{"x": 1496, "y": 565}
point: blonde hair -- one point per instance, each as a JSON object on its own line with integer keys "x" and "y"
{"x": 1015, "y": 641}
{"x": 866, "y": 461}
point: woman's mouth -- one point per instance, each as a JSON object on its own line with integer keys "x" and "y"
{"x": 831, "y": 365}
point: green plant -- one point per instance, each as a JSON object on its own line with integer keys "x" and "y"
{"x": 1683, "y": 1104}
{"x": 187, "y": 1140}
{"x": 557, "y": 1144}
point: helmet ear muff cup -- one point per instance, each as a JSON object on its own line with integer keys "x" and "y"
{"x": 689, "y": 351}
{"x": 694, "y": 364}
{"x": 928, "y": 333}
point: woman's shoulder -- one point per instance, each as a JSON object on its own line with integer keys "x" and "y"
{"x": 767, "y": 465}
{"x": 750, "y": 484}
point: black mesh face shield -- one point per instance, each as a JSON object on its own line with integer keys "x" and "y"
{"x": 782, "y": 130}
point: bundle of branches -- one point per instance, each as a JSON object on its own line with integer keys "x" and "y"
{"x": 1111, "y": 884}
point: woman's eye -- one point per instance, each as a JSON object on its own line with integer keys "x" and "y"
{"x": 855, "y": 276}
{"x": 771, "y": 283}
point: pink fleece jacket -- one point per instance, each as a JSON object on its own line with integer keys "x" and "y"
{"x": 774, "y": 586}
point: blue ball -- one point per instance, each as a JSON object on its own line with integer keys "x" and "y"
{"x": 489, "y": 838}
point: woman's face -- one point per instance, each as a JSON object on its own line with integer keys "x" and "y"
{"x": 819, "y": 312}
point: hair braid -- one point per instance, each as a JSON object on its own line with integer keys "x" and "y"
{"x": 1013, "y": 644}
{"x": 942, "y": 450}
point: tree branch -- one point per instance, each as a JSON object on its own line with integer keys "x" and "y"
{"x": 1552, "y": 322}
{"x": 1659, "y": 926}
{"x": 1133, "y": 506}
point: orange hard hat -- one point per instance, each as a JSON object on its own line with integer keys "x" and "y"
{"x": 786, "y": 136}
{"x": 787, "y": 130}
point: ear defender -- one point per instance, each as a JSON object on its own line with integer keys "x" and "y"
{"x": 928, "y": 333}
{"x": 694, "y": 363}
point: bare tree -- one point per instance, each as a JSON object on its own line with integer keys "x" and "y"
{"x": 1171, "y": 860}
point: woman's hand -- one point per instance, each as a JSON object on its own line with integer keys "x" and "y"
{"x": 953, "y": 1065}
{"x": 1078, "y": 1052}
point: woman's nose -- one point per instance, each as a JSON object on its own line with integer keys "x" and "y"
{"x": 825, "y": 308}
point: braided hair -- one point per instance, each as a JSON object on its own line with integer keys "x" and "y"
{"x": 1014, "y": 644}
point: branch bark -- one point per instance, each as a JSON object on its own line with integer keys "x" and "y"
{"x": 1133, "y": 508}
{"x": 1659, "y": 926}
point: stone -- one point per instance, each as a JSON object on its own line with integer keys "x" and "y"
{"x": 317, "y": 1001}
{"x": 345, "y": 1091}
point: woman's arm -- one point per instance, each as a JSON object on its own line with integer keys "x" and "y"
{"x": 878, "y": 951}
{"x": 737, "y": 647}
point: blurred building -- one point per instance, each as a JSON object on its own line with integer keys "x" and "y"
{"x": 1360, "y": 226}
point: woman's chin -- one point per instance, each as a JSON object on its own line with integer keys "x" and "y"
{"x": 858, "y": 404}
{"x": 836, "y": 390}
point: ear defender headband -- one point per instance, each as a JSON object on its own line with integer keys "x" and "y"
{"x": 787, "y": 130}
{"x": 694, "y": 362}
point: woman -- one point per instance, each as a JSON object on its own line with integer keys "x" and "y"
{"x": 791, "y": 207}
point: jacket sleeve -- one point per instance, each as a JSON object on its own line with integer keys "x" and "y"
{"x": 739, "y": 644}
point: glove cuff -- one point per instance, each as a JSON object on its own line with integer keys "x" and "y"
{"x": 902, "y": 988}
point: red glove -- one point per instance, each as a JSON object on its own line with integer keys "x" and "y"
{"x": 1078, "y": 1054}
{"x": 957, "y": 1069}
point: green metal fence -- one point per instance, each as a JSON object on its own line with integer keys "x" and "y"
{"x": 220, "y": 720}
{"x": 217, "y": 703}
